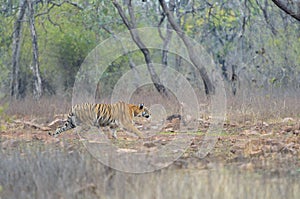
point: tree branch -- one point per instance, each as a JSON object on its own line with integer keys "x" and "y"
{"x": 65, "y": 1}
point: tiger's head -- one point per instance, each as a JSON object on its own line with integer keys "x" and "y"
{"x": 141, "y": 111}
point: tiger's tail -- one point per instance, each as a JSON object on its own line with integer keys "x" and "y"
{"x": 69, "y": 124}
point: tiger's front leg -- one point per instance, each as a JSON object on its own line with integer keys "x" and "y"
{"x": 129, "y": 126}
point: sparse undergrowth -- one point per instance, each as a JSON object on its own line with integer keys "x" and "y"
{"x": 258, "y": 155}
{"x": 261, "y": 156}
{"x": 66, "y": 170}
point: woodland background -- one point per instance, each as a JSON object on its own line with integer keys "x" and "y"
{"x": 43, "y": 43}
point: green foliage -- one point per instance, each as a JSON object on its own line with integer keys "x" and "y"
{"x": 67, "y": 34}
{"x": 3, "y": 115}
{"x": 6, "y": 28}
{"x": 222, "y": 17}
{"x": 115, "y": 70}
{"x": 2, "y": 109}
{"x": 64, "y": 46}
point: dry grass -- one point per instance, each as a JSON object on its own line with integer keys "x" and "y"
{"x": 36, "y": 169}
{"x": 260, "y": 106}
{"x": 255, "y": 105}
{"x": 45, "y": 109}
{"x": 33, "y": 171}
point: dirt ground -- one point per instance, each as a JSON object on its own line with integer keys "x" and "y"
{"x": 267, "y": 146}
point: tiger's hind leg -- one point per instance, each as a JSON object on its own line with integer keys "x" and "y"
{"x": 109, "y": 131}
{"x": 69, "y": 124}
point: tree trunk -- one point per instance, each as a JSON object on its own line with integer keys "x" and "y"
{"x": 209, "y": 88}
{"x": 14, "y": 85}
{"x": 131, "y": 25}
{"x": 292, "y": 8}
{"x": 166, "y": 43}
{"x": 37, "y": 90}
{"x": 166, "y": 39}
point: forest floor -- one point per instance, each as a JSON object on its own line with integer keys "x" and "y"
{"x": 248, "y": 159}
{"x": 270, "y": 146}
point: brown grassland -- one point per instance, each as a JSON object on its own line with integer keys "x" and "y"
{"x": 256, "y": 156}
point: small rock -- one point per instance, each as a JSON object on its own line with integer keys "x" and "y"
{"x": 180, "y": 163}
{"x": 155, "y": 127}
{"x": 164, "y": 142}
{"x": 287, "y": 119}
{"x": 261, "y": 124}
{"x": 233, "y": 124}
{"x": 149, "y": 144}
{"x": 287, "y": 128}
{"x": 265, "y": 124}
{"x": 169, "y": 129}
{"x": 248, "y": 122}
{"x": 250, "y": 132}
{"x": 174, "y": 116}
{"x": 275, "y": 148}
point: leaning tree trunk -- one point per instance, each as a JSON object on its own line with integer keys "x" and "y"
{"x": 209, "y": 88}
{"x": 292, "y": 8}
{"x": 37, "y": 90}
{"x": 14, "y": 84}
{"x": 131, "y": 25}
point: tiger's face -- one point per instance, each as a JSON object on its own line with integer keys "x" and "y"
{"x": 142, "y": 111}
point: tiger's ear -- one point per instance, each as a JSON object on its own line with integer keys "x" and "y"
{"x": 141, "y": 106}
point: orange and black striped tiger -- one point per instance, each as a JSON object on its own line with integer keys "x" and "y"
{"x": 101, "y": 115}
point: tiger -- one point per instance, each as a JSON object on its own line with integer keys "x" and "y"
{"x": 102, "y": 115}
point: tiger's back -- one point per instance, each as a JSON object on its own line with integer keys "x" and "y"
{"x": 101, "y": 115}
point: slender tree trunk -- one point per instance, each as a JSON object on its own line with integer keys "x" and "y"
{"x": 166, "y": 39}
{"x": 14, "y": 85}
{"x": 209, "y": 88}
{"x": 37, "y": 92}
{"x": 166, "y": 43}
{"x": 131, "y": 25}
